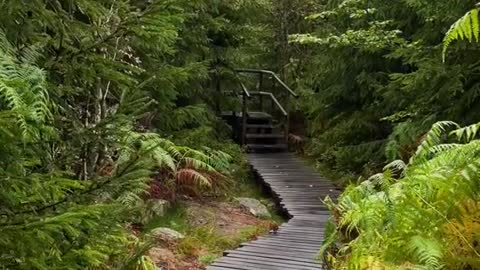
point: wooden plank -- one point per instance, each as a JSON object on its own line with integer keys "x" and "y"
{"x": 298, "y": 190}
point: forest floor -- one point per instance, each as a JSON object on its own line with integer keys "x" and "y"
{"x": 209, "y": 227}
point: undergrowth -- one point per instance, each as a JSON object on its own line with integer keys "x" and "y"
{"x": 205, "y": 243}
{"x": 417, "y": 215}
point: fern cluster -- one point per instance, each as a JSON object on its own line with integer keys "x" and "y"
{"x": 181, "y": 169}
{"x": 409, "y": 216}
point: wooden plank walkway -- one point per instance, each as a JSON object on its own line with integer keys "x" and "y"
{"x": 295, "y": 246}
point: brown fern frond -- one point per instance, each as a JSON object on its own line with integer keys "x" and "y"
{"x": 191, "y": 177}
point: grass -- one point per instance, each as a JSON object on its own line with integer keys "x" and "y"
{"x": 207, "y": 259}
{"x": 207, "y": 245}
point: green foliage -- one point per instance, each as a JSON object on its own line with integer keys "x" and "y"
{"x": 372, "y": 81}
{"x": 403, "y": 218}
{"x": 175, "y": 218}
{"x": 48, "y": 219}
{"x": 207, "y": 259}
{"x": 83, "y": 86}
{"x": 467, "y": 27}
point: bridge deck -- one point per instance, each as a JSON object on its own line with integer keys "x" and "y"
{"x": 297, "y": 243}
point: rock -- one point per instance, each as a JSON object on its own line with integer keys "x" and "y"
{"x": 167, "y": 234}
{"x": 255, "y": 207}
{"x": 158, "y": 207}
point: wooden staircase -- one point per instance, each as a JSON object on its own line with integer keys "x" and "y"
{"x": 263, "y": 135}
{"x": 265, "y": 127}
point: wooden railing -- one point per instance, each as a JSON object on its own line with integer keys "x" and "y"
{"x": 246, "y": 96}
{"x": 261, "y": 73}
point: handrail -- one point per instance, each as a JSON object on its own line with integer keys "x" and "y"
{"x": 244, "y": 89}
{"x": 275, "y": 100}
{"x": 273, "y": 74}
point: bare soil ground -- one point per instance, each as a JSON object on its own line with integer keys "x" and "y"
{"x": 227, "y": 219}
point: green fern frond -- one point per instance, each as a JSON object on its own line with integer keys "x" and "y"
{"x": 377, "y": 179}
{"x": 396, "y": 166}
{"x": 163, "y": 158}
{"x": 467, "y": 133}
{"x": 438, "y": 149}
{"x": 5, "y": 47}
{"x": 432, "y": 138}
{"x": 428, "y": 252}
{"x": 466, "y": 27}
{"x": 197, "y": 164}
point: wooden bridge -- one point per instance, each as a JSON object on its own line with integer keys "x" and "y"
{"x": 297, "y": 188}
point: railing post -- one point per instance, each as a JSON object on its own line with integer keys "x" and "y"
{"x": 260, "y": 84}
{"x": 244, "y": 119}
{"x": 218, "y": 94}
{"x": 273, "y": 90}
{"x": 287, "y": 121}
{"x": 260, "y": 88}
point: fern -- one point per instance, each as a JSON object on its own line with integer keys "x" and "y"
{"x": 466, "y": 134}
{"x": 432, "y": 138}
{"x": 466, "y": 27}
{"x": 190, "y": 177}
{"x": 406, "y": 221}
{"x": 428, "y": 252}
{"x": 396, "y": 166}
{"x": 180, "y": 168}
{"x": 22, "y": 88}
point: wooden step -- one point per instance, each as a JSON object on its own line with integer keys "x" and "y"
{"x": 259, "y": 116}
{"x": 265, "y": 136}
{"x": 267, "y": 147}
{"x": 255, "y": 115}
{"x": 252, "y": 126}
{"x": 263, "y": 129}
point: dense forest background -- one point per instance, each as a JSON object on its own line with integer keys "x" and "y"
{"x": 372, "y": 77}
{"x": 97, "y": 98}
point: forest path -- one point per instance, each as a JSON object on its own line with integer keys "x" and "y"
{"x": 298, "y": 189}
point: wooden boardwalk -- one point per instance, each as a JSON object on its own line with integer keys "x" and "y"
{"x": 298, "y": 188}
